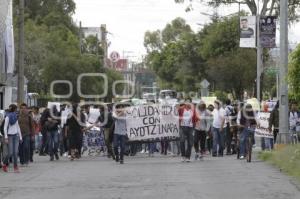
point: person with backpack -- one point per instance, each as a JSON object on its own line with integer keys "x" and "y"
{"x": 13, "y": 137}
{"x": 26, "y": 126}
{"x": 51, "y": 121}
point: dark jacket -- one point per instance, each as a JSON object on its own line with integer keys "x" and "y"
{"x": 274, "y": 119}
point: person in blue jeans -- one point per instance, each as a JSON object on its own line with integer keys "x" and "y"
{"x": 12, "y": 136}
{"x": 218, "y": 129}
{"x": 247, "y": 120}
{"x": 119, "y": 117}
{"x": 51, "y": 125}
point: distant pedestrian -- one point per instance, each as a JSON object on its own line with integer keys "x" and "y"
{"x": 201, "y": 129}
{"x": 13, "y": 137}
{"x": 51, "y": 127}
{"x": 75, "y": 132}
{"x": 274, "y": 124}
{"x": 186, "y": 122}
{"x": 218, "y": 129}
{"x": 26, "y": 126}
{"x": 247, "y": 121}
{"x": 107, "y": 122}
{"x": 119, "y": 116}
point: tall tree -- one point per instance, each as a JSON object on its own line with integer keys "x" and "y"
{"x": 174, "y": 54}
{"x": 267, "y": 7}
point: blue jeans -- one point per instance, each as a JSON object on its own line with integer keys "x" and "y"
{"x": 13, "y": 148}
{"x": 152, "y": 147}
{"x": 38, "y": 142}
{"x": 53, "y": 142}
{"x": 24, "y": 150}
{"x": 218, "y": 140}
{"x": 245, "y": 134}
{"x": 186, "y": 134}
{"x": 119, "y": 141}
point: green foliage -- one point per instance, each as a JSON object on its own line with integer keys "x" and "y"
{"x": 174, "y": 54}
{"x": 213, "y": 53}
{"x": 52, "y": 51}
{"x": 268, "y": 7}
{"x": 294, "y": 74}
{"x": 287, "y": 159}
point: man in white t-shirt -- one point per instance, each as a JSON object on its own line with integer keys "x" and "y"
{"x": 218, "y": 129}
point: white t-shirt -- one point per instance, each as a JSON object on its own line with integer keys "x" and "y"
{"x": 219, "y": 116}
{"x": 187, "y": 119}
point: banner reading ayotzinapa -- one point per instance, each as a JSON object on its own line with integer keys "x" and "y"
{"x": 148, "y": 122}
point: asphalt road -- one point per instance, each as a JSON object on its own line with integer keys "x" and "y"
{"x": 144, "y": 177}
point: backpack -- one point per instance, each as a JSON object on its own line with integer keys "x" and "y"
{"x": 2, "y": 127}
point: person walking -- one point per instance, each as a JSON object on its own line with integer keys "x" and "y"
{"x": 218, "y": 129}
{"x": 119, "y": 116}
{"x": 107, "y": 122}
{"x": 247, "y": 121}
{"x": 36, "y": 117}
{"x": 294, "y": 120}
{"x": 74, "y": 129}
{"x": 186, "y": 122}
{"x": 13, "y": 137}
{"x": 51, "y": 126}
{"x": 26, "y": 126}
{"x": 201, "y": 129}
{"x": 274, "y": 124}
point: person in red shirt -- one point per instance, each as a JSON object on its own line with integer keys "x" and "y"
{"x": 187, "y": 118}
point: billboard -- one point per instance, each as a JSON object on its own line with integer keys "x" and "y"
{"x": 248, "y": 32}
{"x": 267, "y": 26}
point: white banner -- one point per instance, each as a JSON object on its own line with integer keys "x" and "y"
{"x": 248, "y": 32}
{"x": 148, "y": 122}
{"x": 262, "y": 129}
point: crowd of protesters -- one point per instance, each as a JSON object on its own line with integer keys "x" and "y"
{"x": 212, "y": 130}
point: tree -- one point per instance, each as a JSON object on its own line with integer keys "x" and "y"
{"x": 294, "y": 74}
{"x": 52, "y": 51}
{"x": 267, "y": 7}
{"x": 174, "y": 54}
{"x": 230, "y": 68}
{"x": 91, "y": 45}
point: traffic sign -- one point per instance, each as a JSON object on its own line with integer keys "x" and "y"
{"x": 114, "y": 56}
{"x": 204, "y": 84}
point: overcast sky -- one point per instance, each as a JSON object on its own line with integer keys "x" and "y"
{"x": 128, "y": 20}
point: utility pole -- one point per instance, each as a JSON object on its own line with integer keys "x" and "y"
{"x": 80, "y": 37}
{"x": 21, "y": 80}
{"x": 284, "y": 49}
{"x": 259, "y": 57}
{"x": 104, "y": 44}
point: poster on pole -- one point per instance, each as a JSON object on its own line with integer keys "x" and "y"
{"x": 262, "y": 129}
{"x": 267, "y": 27}
{"x": 152, "y": 122}
{"x": 248, "y": 32}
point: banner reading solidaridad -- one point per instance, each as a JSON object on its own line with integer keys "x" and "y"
{"x": 152, "y": 122}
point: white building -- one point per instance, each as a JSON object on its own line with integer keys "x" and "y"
{"x": 92, "y": 31}
{"x": 8, "y": 78}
